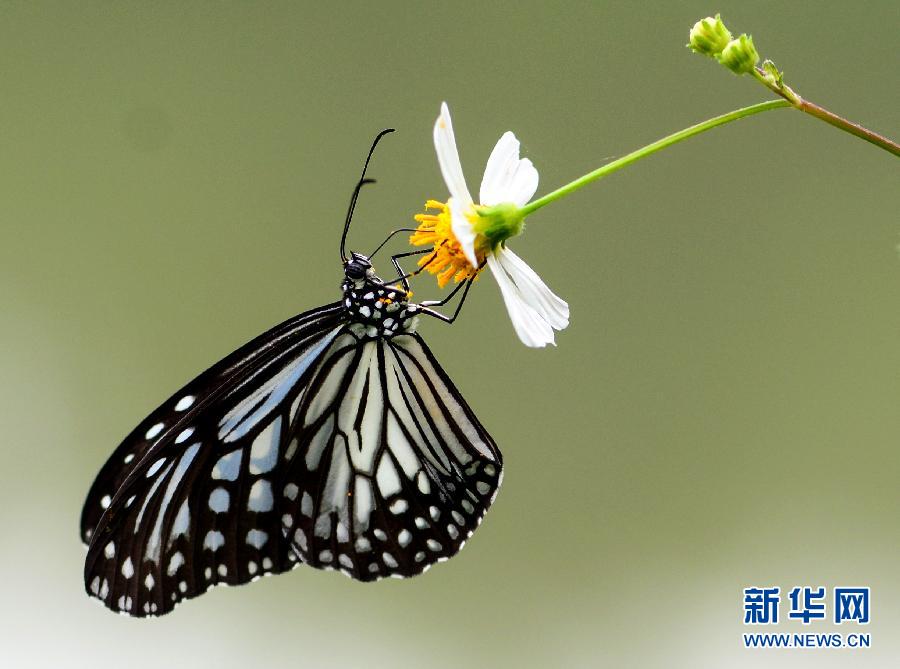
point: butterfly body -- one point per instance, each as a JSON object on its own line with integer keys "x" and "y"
{"x": 334, "y": 439}
{"x": 374, "y": 308}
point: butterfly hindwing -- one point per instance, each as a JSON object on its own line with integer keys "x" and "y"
{"x": 392, "y": 471}
{"x": 199, "y": 507}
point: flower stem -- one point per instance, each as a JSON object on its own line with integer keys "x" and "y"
{"x": 780, "y": 88}
{"x": 658, "y": 145}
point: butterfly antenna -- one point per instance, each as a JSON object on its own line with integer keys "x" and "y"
{"x": 362, "y": 182}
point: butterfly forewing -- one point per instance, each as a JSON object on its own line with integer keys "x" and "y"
{"x": 392, "y": 471}
{"x": 199, "y": 507}
{"x": 189, "y": 401}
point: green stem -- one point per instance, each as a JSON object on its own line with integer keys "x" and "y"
{"x": 658, "y": 145}
{"x": 785, "y": 91}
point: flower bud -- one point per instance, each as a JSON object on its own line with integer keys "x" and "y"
{"x": 709, "y": 36}
{"x": 739, "y": 55}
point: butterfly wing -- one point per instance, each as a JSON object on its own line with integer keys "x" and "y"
{"x": 310, "y": 443}
{"x": 196, "y": 506}
{"x": 175, "y": 412}
{"x": 391, "y": 470}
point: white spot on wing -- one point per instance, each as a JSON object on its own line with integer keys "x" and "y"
{"x": 423, "y": 483}
{"x": 257, "y": 538}
{"x": 291, "y": 449}
{"x": 334, "y": 497}
{"x": 184, "y": 435}
{"x": 260, "y": 498}
{"x": 182, "y": 521}
{"x": 155, "y": 467}
{"x": 341, "y": 533}
{"x": 399, "y": 506}
{"x": 185, "y": 402}
{"x": 214, "y": 540}
{"x": 387, "y": 479}
{"x": 323, "y": 526}
{"x": 219, "y": 500}
{"x": 362, "y": 502}
{"x": 306, "y": 505}
{"x": 400, "y": 446}
{"x": 300, "y": 539}
{"x": 175, "y": 563}
{"x": 264, "y": 451}
{"x": 153, "y": 431}
{"x": 228, "y": 466}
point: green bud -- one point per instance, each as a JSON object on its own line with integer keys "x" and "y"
{"x": 739, "y": 55}
{"x": 709, "y": 36}
{"x": 499, "y": 222}
{"x": 772, "y": 74}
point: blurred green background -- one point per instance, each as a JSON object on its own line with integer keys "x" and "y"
{"x": 721, "y": 413}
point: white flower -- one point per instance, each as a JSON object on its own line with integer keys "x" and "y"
{"x": 533, "y": 308}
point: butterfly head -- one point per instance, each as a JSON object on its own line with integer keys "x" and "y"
{"x": 358, "y": 270}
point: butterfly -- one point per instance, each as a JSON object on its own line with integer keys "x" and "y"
{"x": 335, "y": 440}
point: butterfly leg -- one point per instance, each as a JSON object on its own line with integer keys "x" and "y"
{"x": 404, "y": 278}
{"x": 426, "y": 306}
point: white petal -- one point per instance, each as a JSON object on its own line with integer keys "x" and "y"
{"x": 506, "y": 177}
{"x": 531, "y": 328}
{"x": 534, "y": 291}
{"x": 448, "y": 157}
{"x": 462, "y": 229}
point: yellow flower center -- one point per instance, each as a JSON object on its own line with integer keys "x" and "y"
{"x": 447, "y": 261}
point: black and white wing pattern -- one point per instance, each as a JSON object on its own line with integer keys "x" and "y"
{"x": 212, "y": 390}
{"x": 335, "y": 439}
{"x": 188, "y": 499}
{"x": 389, "y": 470}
